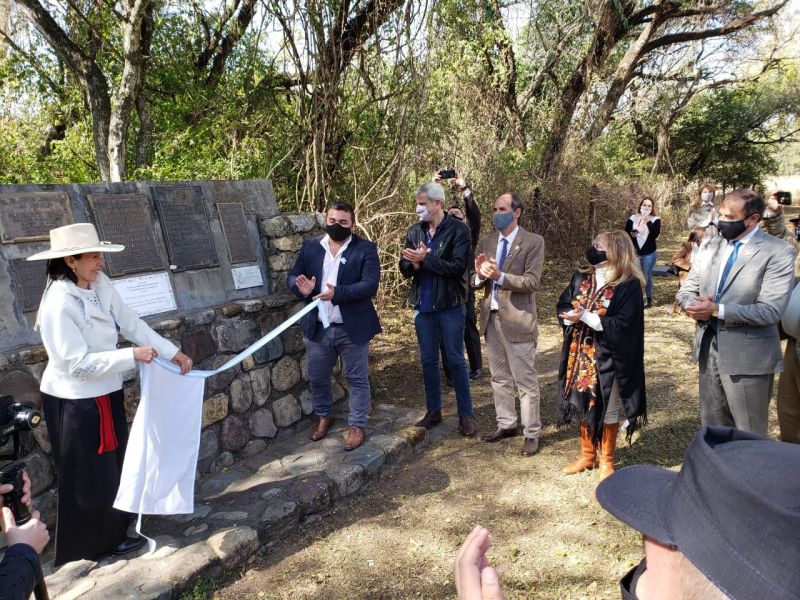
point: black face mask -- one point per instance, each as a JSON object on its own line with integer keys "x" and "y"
{"x": 595, "y": 256}
{"x": 731, "y": 229}
{"x": 627, "y": 585}
{"x": 338, "y": 233}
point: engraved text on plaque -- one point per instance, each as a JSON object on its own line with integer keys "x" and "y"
{"x": 125, "y": 219}
{"x": 185, "y": 225}
{"x": 30, "y": 278}
{"x": 29, "y": 216}
{"x": 234, "y": 226}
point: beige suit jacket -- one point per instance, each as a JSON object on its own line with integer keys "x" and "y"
{"x": 516, "y": 298}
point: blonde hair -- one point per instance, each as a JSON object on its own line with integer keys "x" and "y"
{"x": 706, "y": 186}
{"x": 622, "y": 260}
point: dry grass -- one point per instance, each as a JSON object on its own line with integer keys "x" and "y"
{"x": 398, "y": 538}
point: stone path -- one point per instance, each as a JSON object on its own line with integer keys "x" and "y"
{"x": 255, "y": 502}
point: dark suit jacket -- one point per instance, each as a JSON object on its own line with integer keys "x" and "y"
{"x": 356, "y": 284}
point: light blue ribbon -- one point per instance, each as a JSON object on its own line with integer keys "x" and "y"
{"x": 323, "y": 315}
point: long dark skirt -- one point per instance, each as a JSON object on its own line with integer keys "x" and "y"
{"x": 87, "y": 481}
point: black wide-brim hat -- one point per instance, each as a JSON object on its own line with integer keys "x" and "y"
{"x": 733, "y": 510}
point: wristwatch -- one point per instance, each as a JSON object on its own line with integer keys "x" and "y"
{"x": 715, "y": 312}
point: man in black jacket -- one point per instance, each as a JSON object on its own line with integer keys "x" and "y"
{"x": 436, "y": 257}
{"x": 472, "y": 339}
{"x": 20, "y": 570}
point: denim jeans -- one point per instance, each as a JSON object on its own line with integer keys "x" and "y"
{"x": 322, "y": 354}
{"x": 443, "y": 327}
{"x": 648, "y": 261}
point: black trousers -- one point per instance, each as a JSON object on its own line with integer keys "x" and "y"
{"x": 87, "y": 523}
{"x": 472, "y": 339}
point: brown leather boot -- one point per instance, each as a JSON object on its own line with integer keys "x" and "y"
{"x": 608, "y": 445}
{"x": 355, "y": 437}
{"x": 587, "y": 458}
{"x": 320, "y": 428}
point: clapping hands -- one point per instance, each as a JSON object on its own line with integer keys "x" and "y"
{"x": 486, "y": 268}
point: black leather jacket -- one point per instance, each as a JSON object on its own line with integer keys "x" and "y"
{"x": 448, "y": 260}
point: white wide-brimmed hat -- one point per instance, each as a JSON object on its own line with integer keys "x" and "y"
{"x": 75, "y": 239}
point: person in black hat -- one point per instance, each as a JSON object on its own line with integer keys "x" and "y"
{"x": 725, "y": 526}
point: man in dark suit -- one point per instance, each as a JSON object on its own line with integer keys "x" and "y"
{"x": 737, "y": 290}
{"x": 343, "y": 271}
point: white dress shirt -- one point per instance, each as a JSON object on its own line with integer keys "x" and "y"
{"x": 510, "y": 238}
{"x": 330, "y": 274}
{"x": 725, "y": 255}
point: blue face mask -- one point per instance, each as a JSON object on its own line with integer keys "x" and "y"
{"x": 502, "y": 220}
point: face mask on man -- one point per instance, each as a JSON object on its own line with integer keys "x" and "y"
{"x": 731, "y": 230}
{"x": 707, "y": 197}
{"x": 502, "y": 220}
{"x": 338, "y": 233}
{"x": 422, "y": 213}
{"x": 595, "y": 256}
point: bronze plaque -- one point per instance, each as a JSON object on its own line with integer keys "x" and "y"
{"x": 125, "y": 219}
{"x": 31, "y": 279}
{"x": 234, "y": 226}
{"x": 29, "y": 216}
{"x": 185, "y": 224}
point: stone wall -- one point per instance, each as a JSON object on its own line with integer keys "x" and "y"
{"x": 246, "y": 408}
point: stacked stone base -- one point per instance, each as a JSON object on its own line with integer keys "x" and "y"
{"x": 254, "y": 503}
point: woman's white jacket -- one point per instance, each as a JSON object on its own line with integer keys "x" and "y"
{"x": 81, "y": 340}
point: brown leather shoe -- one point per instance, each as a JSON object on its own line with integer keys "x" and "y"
{"x": 320, "y": 428}
{"x": 355, "y": 437}
{"x": 530, "y": 447}
{"x": 498, "y": 434}
{"x": 467, "y": 426}
{"x": 431, "y": 419}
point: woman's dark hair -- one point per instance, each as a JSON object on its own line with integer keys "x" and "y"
{"x": 652, "y": 203}
{"x": 57, "y": 269}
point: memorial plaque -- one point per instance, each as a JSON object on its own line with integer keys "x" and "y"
{"x": 31, "y": 278}
{"x": 185, "y": 224}
{"x": 234, "y": 226}
{"x": 29, "y": 216}
{"x": 147, "y": 294}
{"x": 247, "y": 277}
{"x": 125, "y": 219}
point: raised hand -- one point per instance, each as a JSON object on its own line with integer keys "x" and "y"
{"x": 305, "y": 285}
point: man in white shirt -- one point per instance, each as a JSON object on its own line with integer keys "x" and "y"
{"x": 508, "y": 267}
{"x": 737, "y": 290}
{"x": 343, "y": 270}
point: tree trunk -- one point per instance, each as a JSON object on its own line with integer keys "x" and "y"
{"x": 129, "y": 86}
{"x": 611, "y": 28}
{"x": 622, "y": 77}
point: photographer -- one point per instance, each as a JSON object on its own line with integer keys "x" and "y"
{"x": 20, "y": 570}
{"x": 472, "y": 339}
{"x": 773, "y": 221}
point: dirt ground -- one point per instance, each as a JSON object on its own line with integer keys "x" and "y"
{"x": 551, "y": 539}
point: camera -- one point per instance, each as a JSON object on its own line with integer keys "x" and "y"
{"x": 447, "y": 174}
{"x": 15, "y": 417}
{"x": 784, "y": 198}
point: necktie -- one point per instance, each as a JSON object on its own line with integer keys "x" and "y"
{"x": 500, "y": 263}
{"x": 726, "y": 271}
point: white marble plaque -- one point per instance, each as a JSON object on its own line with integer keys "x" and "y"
{"x": 247, "y": 277}
{"x": 147, "y": 294}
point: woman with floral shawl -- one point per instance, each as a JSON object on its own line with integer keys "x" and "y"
{"x": 602, "y": 357}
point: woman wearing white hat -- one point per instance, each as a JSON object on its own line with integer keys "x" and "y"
{"x": 80, "y": 317}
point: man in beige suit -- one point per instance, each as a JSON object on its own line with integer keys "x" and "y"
{"x": 509, "y": 267}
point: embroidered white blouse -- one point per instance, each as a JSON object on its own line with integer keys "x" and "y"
{"x": 81, "y": 337}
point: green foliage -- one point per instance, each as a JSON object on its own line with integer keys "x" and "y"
{"x": 725, "y": 135}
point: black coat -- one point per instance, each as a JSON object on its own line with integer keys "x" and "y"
{"x": 654, "y": 227}
{"x": 449, "y": 262}
{"x": 619, "y": 350}
{"x": 20, "y": 571}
